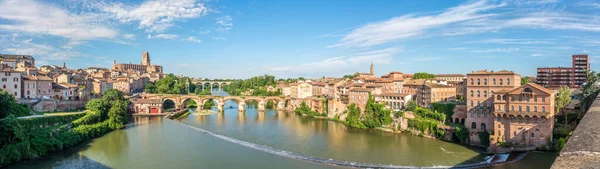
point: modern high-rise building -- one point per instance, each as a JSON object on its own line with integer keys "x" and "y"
{"x": 574, "y": 76}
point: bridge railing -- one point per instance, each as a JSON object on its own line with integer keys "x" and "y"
{"x": 583, "y": 147}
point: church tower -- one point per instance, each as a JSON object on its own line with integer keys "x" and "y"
{"x": 372, "y": 69}
{"x": 145, "y": 59}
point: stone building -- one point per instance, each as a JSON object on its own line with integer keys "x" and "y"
{"x": 146, "y": 106}
{"x": 18, "y": 61}
{"x": 524, "y": 115}
{"x": 481, "y": 86}
{"x": 450, "y": 77}
{"x": 317, "y": 88}
{"x": 11, "y": 82}
{"x": 394, "y": 101}
{"x": 44, "y": 87}
{"x": 432, "y": 93}
{"x": 145, "y": 67}
{"x": 28, "y": 87}
{"x": 359, "y": 96}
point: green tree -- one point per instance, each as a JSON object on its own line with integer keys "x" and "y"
{"x": 423, "y": 75}
{"x": 352, "y": 76}
{"x": 150, "y": 88}
{"x": 562, "y": 100}
{"x": 209, "y": 104}
{"x": 411, "y": 105}
{"x": 118, "y": 115}
{"x": 524, "y": 80}
{"x": 353, "y": 117}
{"x": 375, "y": 114}
{"x": 7, "y": 102}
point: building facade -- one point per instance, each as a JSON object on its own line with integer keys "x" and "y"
{"x": 524, "y": 115}
{"x": 11, "y": 82}
{"x": 481, "y": 86}
{"x": 574, "y": 76}
{"x": 145, "y": 67}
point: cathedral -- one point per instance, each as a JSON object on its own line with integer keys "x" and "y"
{"x": 145, "y": 67}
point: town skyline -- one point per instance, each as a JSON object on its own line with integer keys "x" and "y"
{"x": 236, "y": 40}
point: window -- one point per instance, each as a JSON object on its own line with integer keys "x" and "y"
{"x": 471, "y": 81}
{"x": 478, "y": 81}
{"x": 483, "y": 126}
{"x": 532, "y": 135}
{"x": 507, "y": 81}
{"x": 484, "y": 115}
{"x": 527, "y": 108}
{"x": 543, "y": 99}
{"x": 512, "y": 119}
{"x": 494, "y": 81}
{"x": 471, "y": 103}
{"x": 472, "y": 114}
{"x": 478, "y": 114}
{"x": 478, "y": 93}
{"x": 535, "y": 99}
{"x": 500, "y": 81}
{"x": 520, "y": 109}
{"x": 484, "y": 93}
{"x": 527, "y": 119}
{"x": 534, "y": 108}
{"x": 15, "y": 86}
{"x": 512, "y": 98}
{"x": 504, "y": 97}
{"x": 520, "y": 98}
{"x": 499, "y": 108}
{"x": 484, "y": 81}
{"x": 498, "y": 98}
{"x": 520, "y": 119}
{"x": 543, "y": 109}
{"x": 499, "y": 119}
{"x": 534, "y": 120}
{"x": 543, "y": 120}
{"x": 473, "y": 125}
{"x": 471, "y": 93}
{"x": 512, "y": 108}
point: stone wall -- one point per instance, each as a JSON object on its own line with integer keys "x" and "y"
{"x": 583, "y": 147}
{"x": 57, "y": 105}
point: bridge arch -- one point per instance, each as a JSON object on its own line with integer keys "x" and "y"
{"x": 169, "y": 104}
{"x": 183, "y": 100}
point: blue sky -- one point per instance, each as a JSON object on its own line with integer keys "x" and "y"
{"x": 240, "y": 39}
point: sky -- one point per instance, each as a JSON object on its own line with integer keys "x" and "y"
{"x": 245, "y": 38}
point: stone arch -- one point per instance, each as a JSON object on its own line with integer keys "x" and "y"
{"x": 483, "y": 127}
{"x": 189, "y": 98}
{"x": 166, "y": 105}
{"x": 473, "y": 125}
{"x": 456, "y": 120}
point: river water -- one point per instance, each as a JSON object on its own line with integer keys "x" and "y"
{"x": 267, "y": 139}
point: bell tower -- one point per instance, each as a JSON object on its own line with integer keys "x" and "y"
{"x": 145, "y": 59}
{"x": 372, "y": 69}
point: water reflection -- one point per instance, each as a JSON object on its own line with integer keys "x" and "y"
{"x": 327, "y": 139}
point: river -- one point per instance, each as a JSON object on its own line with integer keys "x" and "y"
{"x": 253, "y": 139}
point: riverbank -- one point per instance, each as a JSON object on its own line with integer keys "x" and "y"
{"x": 204, "y": 112}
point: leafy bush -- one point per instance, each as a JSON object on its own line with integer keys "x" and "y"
{"x": 446, "y": 108}
{"x": 426, "y": 125}
{"x": 376, "y": 115}
{"x": 426, "y": 113}
{"x": 353, "y": 117}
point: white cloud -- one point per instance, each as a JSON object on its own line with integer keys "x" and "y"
{"x": 224, "y": 23}
{"x": 407, "y": 26}
{"x": 163, "y": 36}
{"x": 204, "y": 32}
{"x": 42, "y": 18}
{"x": 218, "y": 38}
{"x": 514, "y": 41}
{"x": 129, "y": 36}
{"x": 193, "y": 39}
{"x": 537, "y": 54}
{"x": 494, "y": 50}
{"x": 382, "y": 56}
{"x": 458, "y": 48}
{"x": 156, "y": 15}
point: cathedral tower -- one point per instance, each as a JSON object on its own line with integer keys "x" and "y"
{"x": 145, "y": 59}
{"x": 372, "y": 69}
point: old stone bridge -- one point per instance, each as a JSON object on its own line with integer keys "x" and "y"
{"x": 283, "y": 103}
